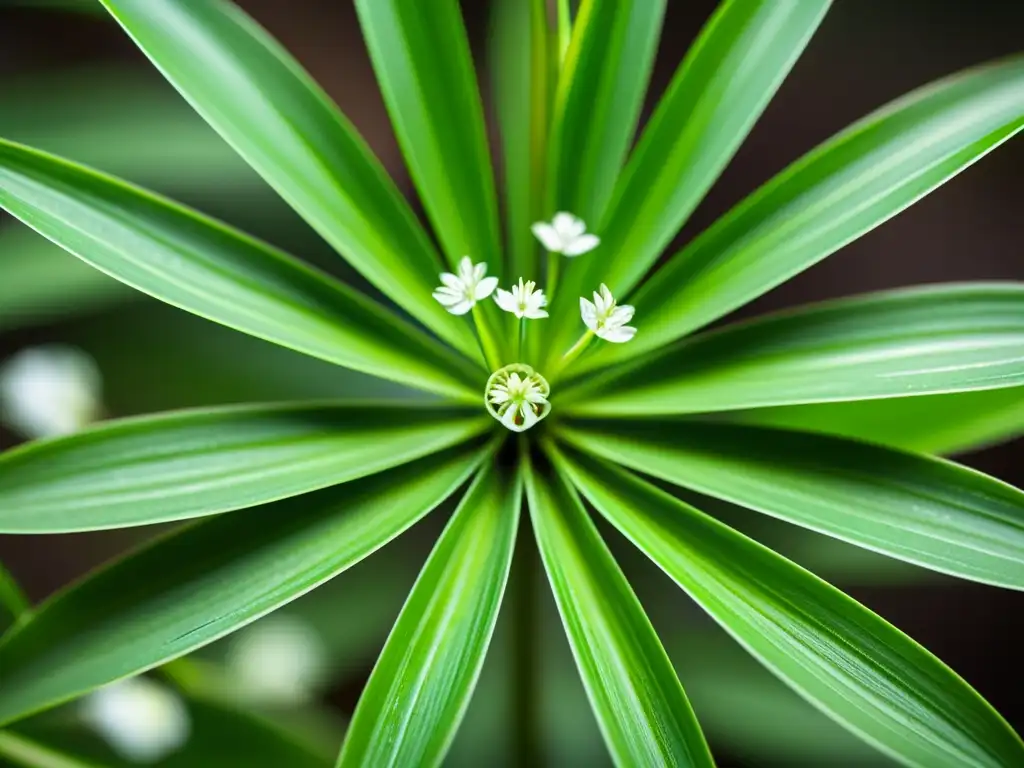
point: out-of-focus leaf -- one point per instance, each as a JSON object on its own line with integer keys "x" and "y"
{"x": 524, "y": 51}
{"x": 422, "y": 59}
{"x": 927, "y": 511}
{"x": 419, "y": 690}
{"x": 262, "y": 102}
{"x": 723, "y": 85}
{"x": 844, "y": 188}
{"x": 943, "y": 424}
{"x": 13, "y": 602}
{"x": 195, "y": 585}
{"x": 193, "y": 463}
{"x": 936, "y": 339}
{"x": 839, "y": 655}
{"x": 643, "y": 712}
{"x": 203, "y": 266}
{"x": 597, "y": 105}
{"x": 25, "y": 752}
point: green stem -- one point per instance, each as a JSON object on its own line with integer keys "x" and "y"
{"x": 553, "y": 263}
{"x": 564, "y": 28}
{"x": 525, "y": 653}
{"x": 487, "y": 342}
{"x": 24, "y": 752}
{"x": 574, "y": 351}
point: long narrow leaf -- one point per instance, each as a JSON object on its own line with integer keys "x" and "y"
{"x": 927, "y": 511}
{"x": 644, "y": 715}
{"x": 717, "y": 94}
{"x": 945, "y": 338}
{"x": 193, "y": 586}
{"x": 193, "y": 463}
{"x": 942, "y": 424}
{"x": 27, "y": 753}
{"x": 839, "y": 655}
{"x": 13, "y": 602}
{"x": 597, "y": 106}
{"x": 270, "y": 110}
{"x": 412, "y": 706}
{"x": 203, "y": 266}
{"x": 421, "y": 56}
{"x": 844, "y": 188}
{"x": 525, "y": 63}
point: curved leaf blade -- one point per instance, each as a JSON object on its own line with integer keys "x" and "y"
{"x": 600, "y": 92}
{"x": 201, "y": 462}
{"x": 419, "y": 690}
{"x": 844, "y": 188}
{"x": 260, "y": 100}
{"x": 198, "y": 584}
{"x": 13, "y": 602}
{"x": 840, "y": 656}
{"x": 33, "y": 754}
{"x": 916, "y": 508}
{"x": 639, "y": 703}
{"x": 525, "y": 65}
{"x": 941, "y": 424}
{"x": 937, "y": 339}
{"x": 717, "y": 94}
{"x": 211, "y": 270}
{"x": 421, "y": 55}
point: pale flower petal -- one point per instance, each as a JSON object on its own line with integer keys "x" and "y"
{"x": 589, "y": 313}
{"x": 505, "y": 300}
{"x": 485, "y": 288}
{"x": 460, "y": 293}
{"x": 548, "y": 236}
{"x": 568, "y": 226}
{"x": 619, "y": 334}
{"x": 621, "y": 315}
{"x": 582, "y": 244}
{"x": 605, "y": 318}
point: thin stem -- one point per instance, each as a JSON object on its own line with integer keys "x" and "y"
{"x": 525, "y": 681}
{"x": 564, "y": 28}
{"x": 553, "y": 264}
{"x": 487, "y": 343}
{"x": 575, "y": 351}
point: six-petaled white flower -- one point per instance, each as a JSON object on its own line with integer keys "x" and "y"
{"x": 524, "y": 300}
{"x": 142, "y": 720}
{"x": 460, "y": 293}
{"x": 605, "y": 318}
{"x": 566, "y": 234}
{"x": 517, "y": 396}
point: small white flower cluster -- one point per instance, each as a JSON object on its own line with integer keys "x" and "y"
{"x": 565, "y": 234}
{"x": 517, "y": 396}
{"x": 143, "y": 721}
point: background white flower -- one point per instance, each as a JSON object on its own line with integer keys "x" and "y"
{"x": 142, "y": 720}
{"x": 523, "y": 300}
{"x": 605, "y": 318}
{"x": 460, "y": 293}
{"x": 279, "y": 660}
{"x": 49, "y": 390}
{"x": 566, "y": 234}
{"x": 517, "y": 396}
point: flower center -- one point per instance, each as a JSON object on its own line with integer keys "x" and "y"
{"x": 517, "y": 396}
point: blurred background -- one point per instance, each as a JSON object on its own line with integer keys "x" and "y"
{"x": 72, "y": 83}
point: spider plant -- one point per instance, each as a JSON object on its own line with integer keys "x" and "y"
{"x": 565, "y": 397}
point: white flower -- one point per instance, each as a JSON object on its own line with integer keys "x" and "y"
{"x": 566, "y": 234}
{"x": 49, "y": 390}
{"x": 523, "y": 300}
{"x": 462, "y": 291}
{"x": 605, "y": 319}
{"x": 141, "y": 720}
{"x": 517, "y": 396}
{"x": 278, "y": 660}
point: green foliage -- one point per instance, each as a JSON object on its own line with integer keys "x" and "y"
{"x": 758, "y": 414}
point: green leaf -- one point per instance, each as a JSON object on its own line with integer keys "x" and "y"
{"x": 844, "y": 188}
{"x": 927, "y": 511}
{"x": 843, "y": 658}
{"x": 944, "y": 424}
{"x": 13, "y": 602}
{"x": 422, "y": 59}
{"x": 420, "y": 688}
{"x": 597, "y": 106}
{"x": 192, "y": 463}
{"x": 31, "y": 754}
{"x": 721, "y": 88}
{"x": 936, "y": 339}
{"x": 262, "y": 102}
{"x": 220, "y": 736}
{"x": 195, "y": 585}
{"x": 640, "y": 705}
{"x": 203, "y": 266}
{"x": 525, "y": 64}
